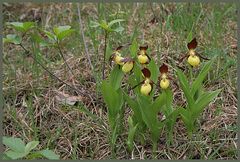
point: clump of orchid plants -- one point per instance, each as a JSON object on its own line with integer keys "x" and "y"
{"x": 145, "y": 105}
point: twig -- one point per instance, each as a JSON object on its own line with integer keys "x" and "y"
{"x": 54, "y": 76}
{"x": 83, "y": 37}
{"x": 61, "y": 53}
{"x": 105, "y": 51}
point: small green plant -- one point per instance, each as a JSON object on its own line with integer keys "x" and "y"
{"x": 18, "y": 150}
{"x": 107, "y": 27}
{"x": 38, "y": 39}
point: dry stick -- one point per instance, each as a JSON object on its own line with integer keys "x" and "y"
{"x": 83, "y": 37}
{"x": 54, "y": 76}
{"x": 61, "y": 53}
{"x": 105, "y": 51}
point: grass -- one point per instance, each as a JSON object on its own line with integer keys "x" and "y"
{"x": 33, "y": 113}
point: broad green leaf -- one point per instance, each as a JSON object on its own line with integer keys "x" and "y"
{"x": 113, "y": 99}
{"x": 198, "y": 81}
{"x": 50, "y": 35}
{"x": 187, "y": 119}
{"x": 189, "y": 37}
{"x": 15, "y": 155}
{"x": 30, "y": 146}
{"x": 109, "y": 51}
{"x": 134, "y": 48}
{"x": 15, "y": 144}
{"x": 158, "y": 103}
{"x": 203, "y": 101}
{"x": 38, "y": 39}
{"x": 169, "y": 100}
{"x": 104, "y": 25}
{"x": 49, "y": 154}
{"x": 59, "y": 29}
{"x": 5, "y": 157}
{"x": 64, "y": 34}
{"x": 94, "y": 24}
{"x": 116, "y": 77}
{"x": 137, "y": 116}
{"x": 119, "y": 29}
{"x": 22, "y": 27}
{"x": 12, "y": 38}
{"x": 28, "y": 25}
{"x": 110, "y": 24}
{"x": 148, "y": 115}
{"x": 63, "y": 31}
{"x": 185, "y": 87}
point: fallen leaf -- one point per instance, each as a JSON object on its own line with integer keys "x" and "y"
{"x": 64, "y": 98}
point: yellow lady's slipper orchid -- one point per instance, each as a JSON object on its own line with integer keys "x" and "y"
{"x": 128, "y": 66}
{"x": 164, "y": 83}
{"x": 118, "y": 59}
{"x": 146, "y": 88}
{"x": 193, "y": 60}
{"x": 143, "y": 59}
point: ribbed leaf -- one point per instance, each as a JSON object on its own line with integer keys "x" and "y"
{"x": 159, "y": 103}
{"x": 185, "y": 87}
{"x": 116, "y": 77}
{"x": 198, "y": 81}
{"x": 113, "y": 99}
{"x": 203, "y": 101}
{"x": 114, "y": 22}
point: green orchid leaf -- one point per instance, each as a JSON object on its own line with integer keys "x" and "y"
{"x": 187, "y": 119}
{"x": 198, "y": 81}
{"x": 159, "y": 102}
{"x": 137, "y": 116}
{"x": 113, "y": 99}
{"x": 134, "y": 48}
{"x": 131, "y": 133}
{"x": 154, "y": 71}
{"x": 169, "y": 100}
{"x": 185, "y": 87}
{"x": 116, "y": 77}
{"x": 203, "y": 101}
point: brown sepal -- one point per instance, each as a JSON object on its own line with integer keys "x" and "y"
{"x": 143, "y": 47}
{"x": 163, "y": 68}
{"x": 146, "y": 72}
{"x": 193, "y": 44}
